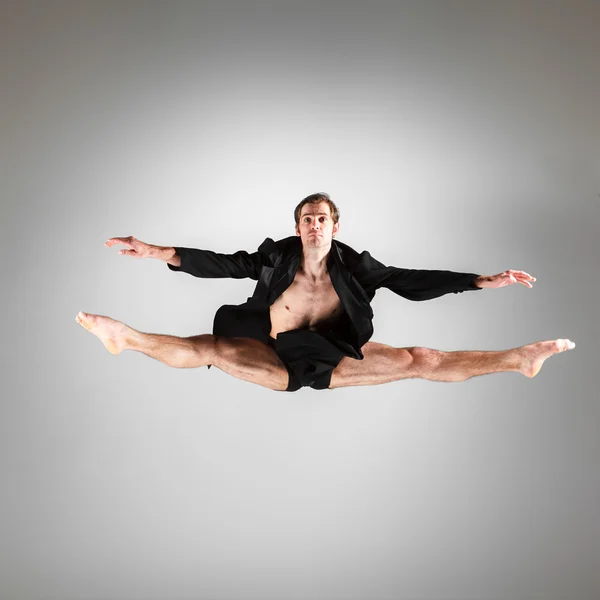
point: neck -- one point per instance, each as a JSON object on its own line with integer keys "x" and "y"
{"x": 314, "y": 262}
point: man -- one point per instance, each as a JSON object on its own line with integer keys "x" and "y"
{"x": 309, "y": 320}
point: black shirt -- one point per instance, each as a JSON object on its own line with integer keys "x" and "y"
{"x": 355, "y": 277}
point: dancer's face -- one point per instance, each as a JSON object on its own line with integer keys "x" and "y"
{"x": 316, "y": 228}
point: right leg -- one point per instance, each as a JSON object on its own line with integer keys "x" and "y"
{"x": 244, "y": 358}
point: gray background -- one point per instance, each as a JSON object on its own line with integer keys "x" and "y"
{"x": 455, "y": 135}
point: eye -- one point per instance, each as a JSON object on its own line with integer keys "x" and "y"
{"x": 322, "y": 218}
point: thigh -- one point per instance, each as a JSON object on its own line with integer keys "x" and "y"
{"x": 381, "y": 364}
{"x": 251, "y": 360}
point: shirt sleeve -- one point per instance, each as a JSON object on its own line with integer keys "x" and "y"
{"x": 412, "y": 284}
{"x": 206, "y": 263}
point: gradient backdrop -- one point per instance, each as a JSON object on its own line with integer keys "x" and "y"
{"x": 453, "y": 135}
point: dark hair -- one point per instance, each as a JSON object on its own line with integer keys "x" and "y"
{"x": 316, "y": 199}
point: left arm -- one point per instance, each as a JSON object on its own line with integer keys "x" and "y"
{"x": 412, "y": 284}
{"x": 425, "y": 284}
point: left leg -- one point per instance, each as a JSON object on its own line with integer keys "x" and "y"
{"x": 383, "y": 364}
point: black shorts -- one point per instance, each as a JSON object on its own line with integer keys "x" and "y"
{"x": 308, "y": 356}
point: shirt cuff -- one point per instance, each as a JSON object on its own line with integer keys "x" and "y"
{"x": 472, "y": 285}
{"x": 179, "y": 252}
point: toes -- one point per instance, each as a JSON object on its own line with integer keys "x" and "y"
{"x": 563, "y": 345}
{"x": 85, "y": 320}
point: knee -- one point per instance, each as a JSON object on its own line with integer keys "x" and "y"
{"x": 205, "y": 346}
{"x": 423, "y": 359}
{"x": 226, "y": 352}
{"x": 237, "y": 351}
{"x": 223, "y": 349}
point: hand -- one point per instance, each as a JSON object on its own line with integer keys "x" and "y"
{"x": 137, "y": 248}
{"x": 503, "y": 279}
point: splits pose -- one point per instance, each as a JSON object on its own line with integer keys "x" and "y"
{"x": 309, "y": 320}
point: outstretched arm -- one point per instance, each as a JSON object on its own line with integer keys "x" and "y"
{"x": 196, "y": 262}
{"x": 425, "y": 284}
{"x": 412, "y": 284}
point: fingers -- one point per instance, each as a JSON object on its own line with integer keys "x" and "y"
{"x": 135, "y": 247}
{"x": 126, "y": 241}
{"x": 521, "y": 277}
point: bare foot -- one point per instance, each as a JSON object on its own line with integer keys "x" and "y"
{"x": 111, "y": 333}
{"x": 534, "y": 355}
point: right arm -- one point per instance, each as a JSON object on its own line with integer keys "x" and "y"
{"x": 199, "y": 263}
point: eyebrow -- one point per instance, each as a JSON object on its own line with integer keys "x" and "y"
{"x": 316, "y": 214}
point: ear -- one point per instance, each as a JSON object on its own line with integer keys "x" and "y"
{"x": 336, "y": 228}
{"x": 297, "y": 230}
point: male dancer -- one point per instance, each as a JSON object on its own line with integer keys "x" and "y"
{"x": 309, "y": 320}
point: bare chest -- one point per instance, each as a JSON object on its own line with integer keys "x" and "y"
{"x": 305, "y": 304}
